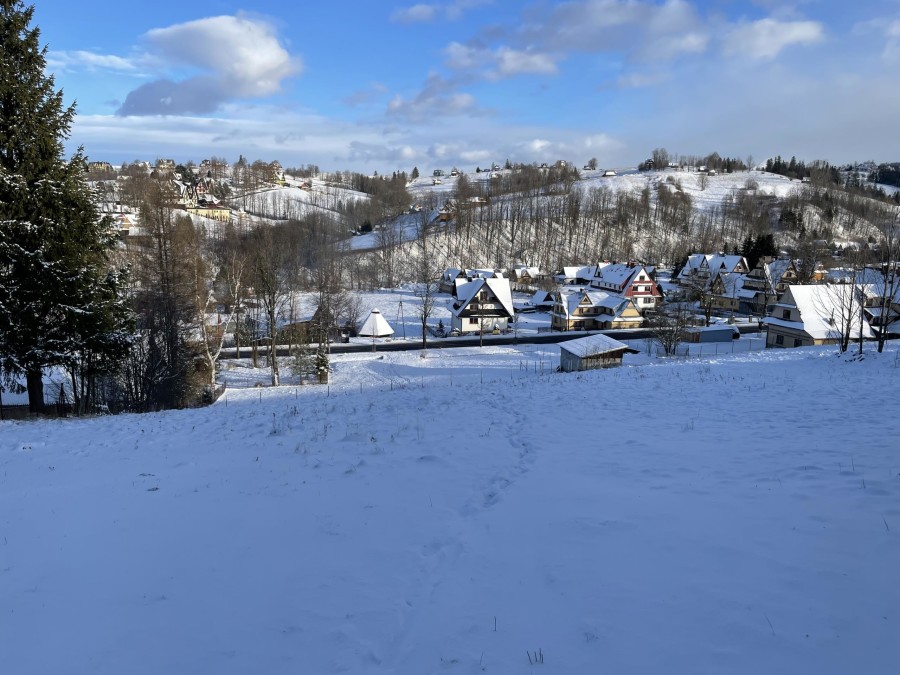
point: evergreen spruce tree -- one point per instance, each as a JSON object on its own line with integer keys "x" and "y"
{"x": 60, "y": 303}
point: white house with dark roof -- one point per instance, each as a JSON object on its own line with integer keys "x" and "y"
{"x": 482, "y": 305}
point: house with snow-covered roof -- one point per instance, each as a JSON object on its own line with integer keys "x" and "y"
{"x": 454, "y": 277}
{"x": 882, "y": 302}
{"x": 482, "y": 305}
{"x": 701, "y": 268}
{"x": 817, "y": 314}
{"x": 575, "y": 275}
{"x": 591, "y": 352}
{"x": 524, "y": 276}
{"x": 593, "y": 310}
{"x": 631, "y": 280}
{"x": 729, "y": 292}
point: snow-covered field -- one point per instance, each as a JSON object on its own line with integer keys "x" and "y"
{"x": 451, "y": 514}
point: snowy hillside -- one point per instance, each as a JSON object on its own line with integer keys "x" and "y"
{"x": 450, "y": 514}
{"x": 292, "y": 202}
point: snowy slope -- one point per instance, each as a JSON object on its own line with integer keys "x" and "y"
{"x": 447, "y": 514}
{"x": 287, "y": 202}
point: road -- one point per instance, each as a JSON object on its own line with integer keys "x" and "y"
{"x": 492, "y": 340}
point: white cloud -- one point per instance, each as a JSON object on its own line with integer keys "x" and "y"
{"x": 512, "y": 62}
{"x": 764, "y": 39}
{"x": 464, "y": 57}
{"x": 244, "y": 51}
{"x": 69, "y": 60}
{"x": 238, "y": 56}
{"x": 499, "y": 63}
{"x": 639, "y": 80}
{"x": 431, "y": 105}
{"x": 539, "y": 145}
{"x": 415, "y": 14}
{"x": 602, "y": 142}
{"x": 427, "y": 12}
{"x": 891, "y": 52}
{"x": 438, "y": 98}
{"x": 374, "y": 91}
{"x": 635, "y": 28}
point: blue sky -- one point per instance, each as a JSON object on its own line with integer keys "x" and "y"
{"x": 388, "y": 85}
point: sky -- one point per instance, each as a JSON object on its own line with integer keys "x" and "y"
{"x": 390, "y": 85}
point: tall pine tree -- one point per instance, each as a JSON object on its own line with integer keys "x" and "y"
{"x": 60, "y": 301}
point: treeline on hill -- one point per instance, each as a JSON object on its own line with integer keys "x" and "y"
{"x": 886, "y": 174}
{"x": 823, "y": 173}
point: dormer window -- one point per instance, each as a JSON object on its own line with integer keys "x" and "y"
{"x": 786, "y": 314}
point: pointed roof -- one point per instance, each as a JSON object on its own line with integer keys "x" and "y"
{"x": 375, "y": 325}
{"x": 499, "y": 286}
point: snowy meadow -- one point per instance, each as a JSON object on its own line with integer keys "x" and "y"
{"x": 468, "y": 511}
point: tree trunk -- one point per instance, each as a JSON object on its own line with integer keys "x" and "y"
{"x": 35, "y": 383}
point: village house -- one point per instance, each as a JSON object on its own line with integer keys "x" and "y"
{"x": 816, "y": 314}
{"x": 483, "y": 305}
{"x": 592, "y": 352}
{"x": 276, "y": 173}
{"x": 700, "y": 268}
{"x": 575, "y": 275}
{"x": 165, "y": 167}
{"x": 593, "y": 310}
{"x": 728, "y": 292}
{"x": 631, "y": 280}
{"x": 781, "y": 273}
{"x": 524, "y": 278}
{"x": 454, "y": 277}
{"x": 882, "y": 303}
{"x": 211, "y": 210}
{"x": 756, "y": 291}
{"x": 99, "y": 167}
{"x": 542, "y": 300}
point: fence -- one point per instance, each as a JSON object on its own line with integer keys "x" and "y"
{"x": 708, "y": 349}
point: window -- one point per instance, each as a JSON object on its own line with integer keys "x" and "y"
{"x": 473, "y": 319}
{"x": 779, "y": 339}
{"x": 798, "y": 342}
{"x": 786, "y": 314}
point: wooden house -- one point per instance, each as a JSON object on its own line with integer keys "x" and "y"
{"x": 593, "y": 310}
{"x": 524, "y": 278}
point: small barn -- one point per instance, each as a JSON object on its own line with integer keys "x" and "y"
{"x": 375, "y": 325}
{"x": 589, "y": 353}
{"x": 715, "y": 333}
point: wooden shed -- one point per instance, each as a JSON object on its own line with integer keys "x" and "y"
{"x": 589, "y": 353}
